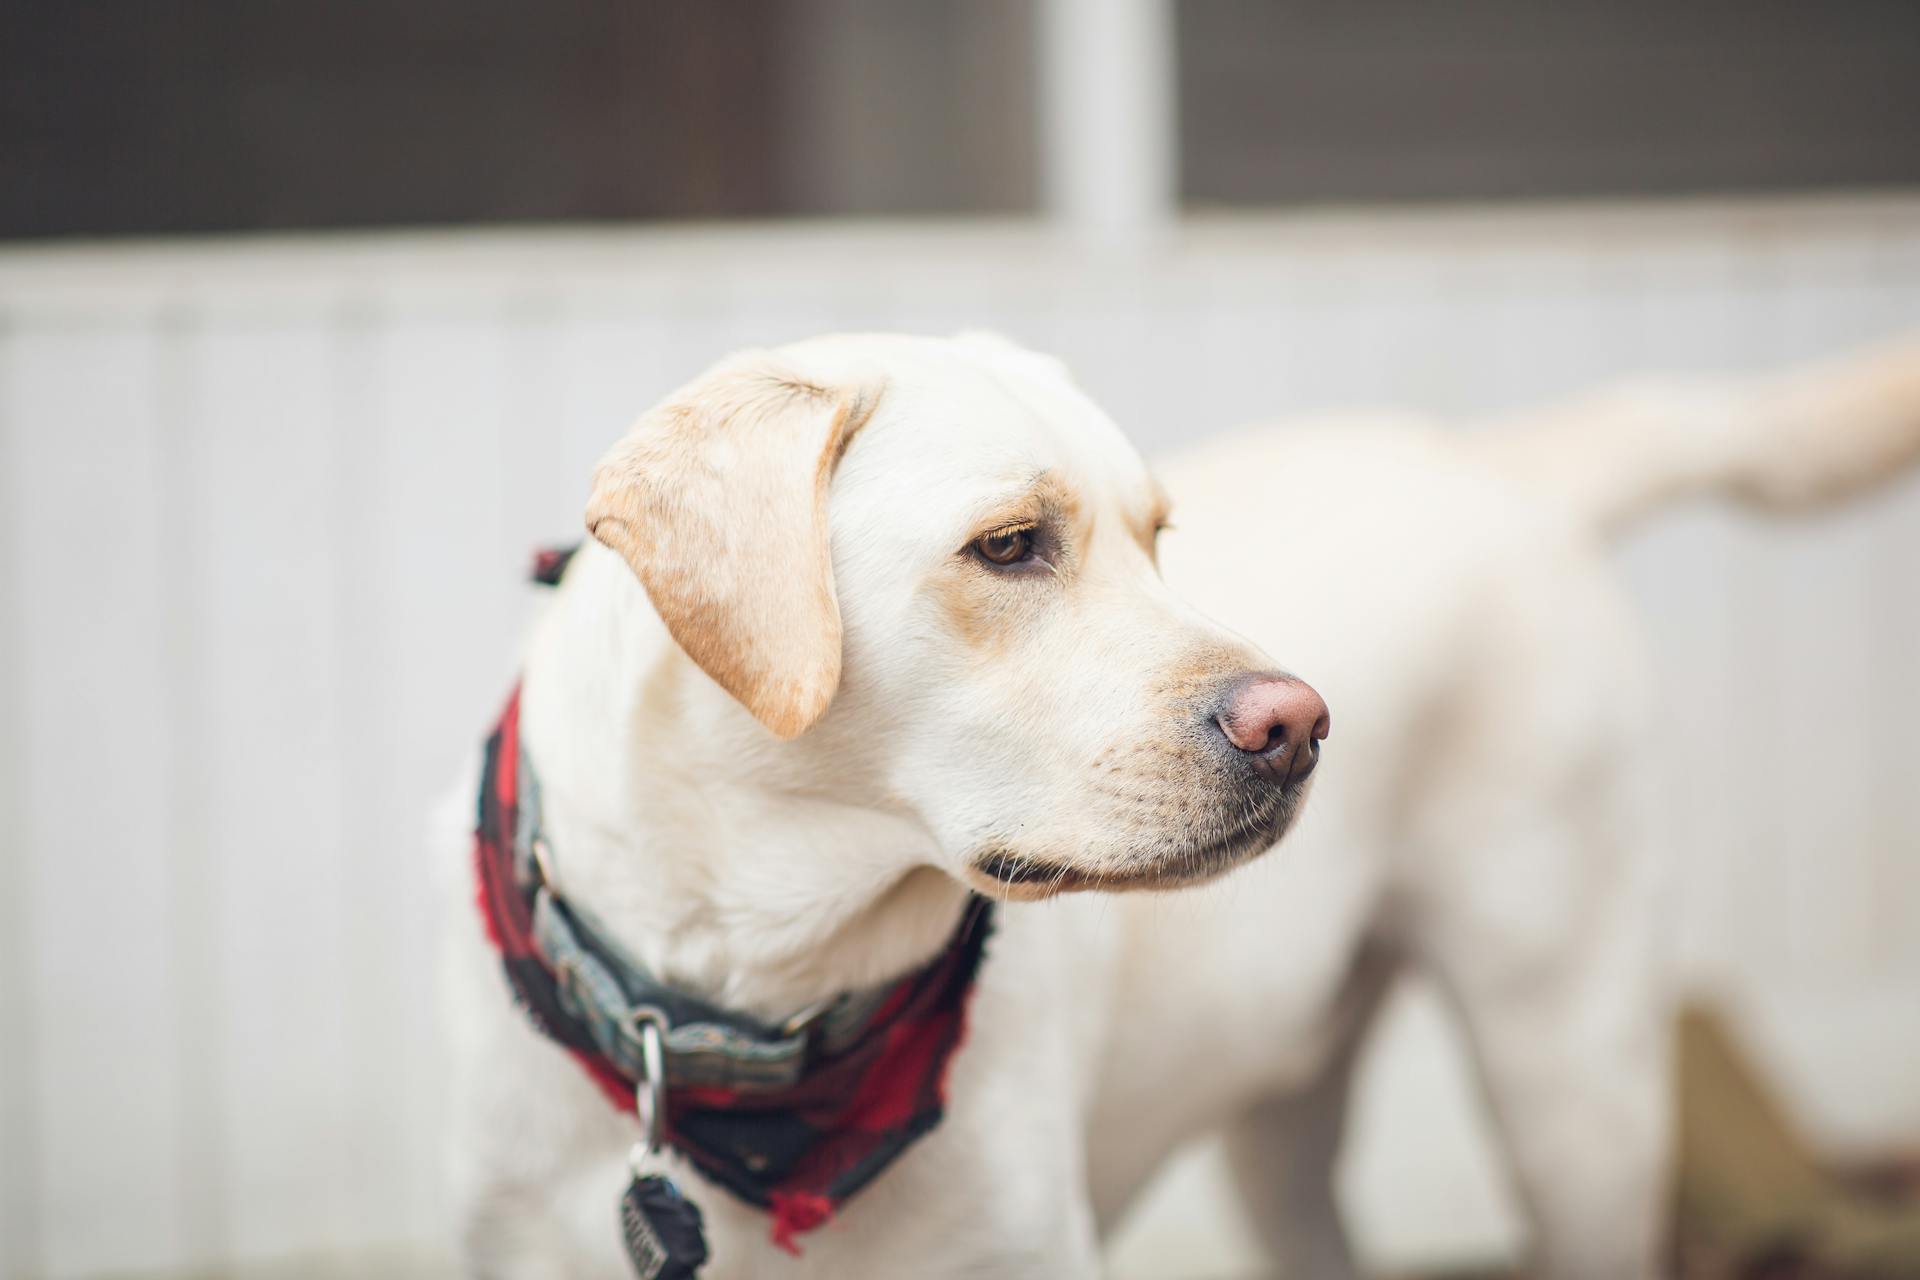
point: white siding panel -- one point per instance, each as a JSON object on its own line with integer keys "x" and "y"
{"x": 267, "y": 523}
{"x": 85, "y": 507}
{"x": 20, "y": 1175}
{"x": 448, "y": 532}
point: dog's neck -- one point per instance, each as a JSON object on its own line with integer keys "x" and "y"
{"x": 688, "y": 834}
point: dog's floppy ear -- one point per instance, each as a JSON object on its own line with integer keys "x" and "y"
{"x": 718, "y": 499}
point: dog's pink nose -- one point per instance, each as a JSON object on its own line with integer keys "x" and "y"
{"x": 1277, "y": 720}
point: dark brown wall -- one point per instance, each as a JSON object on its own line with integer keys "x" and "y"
{"x": 1316, "y": 100}
{"x": 129, "y": 115}
{"x": 138, "y": 116}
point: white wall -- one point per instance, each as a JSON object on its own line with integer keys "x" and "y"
{"x": 264, "y": 509}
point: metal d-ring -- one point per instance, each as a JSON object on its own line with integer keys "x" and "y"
{"x": 543, "y": 861}
{"x": 803, "y": 1021}
{"x": 650, "y": 1091}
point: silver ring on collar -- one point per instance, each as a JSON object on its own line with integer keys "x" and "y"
{"x": 804, "y": 1021}
{"x": 650, "y": 1092}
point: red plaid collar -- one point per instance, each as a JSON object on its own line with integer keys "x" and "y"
{"x": 792, "y": 1120}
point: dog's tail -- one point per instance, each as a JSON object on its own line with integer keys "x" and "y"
{"x": 1798, "y": 440}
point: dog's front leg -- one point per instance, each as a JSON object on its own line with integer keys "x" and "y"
{"x": 561, "y": 1228}
{"x": 999, "y": 1189}
{"x": 1567, "y": 1020}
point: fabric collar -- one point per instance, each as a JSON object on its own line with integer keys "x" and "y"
{"x": 793, "y": 1118}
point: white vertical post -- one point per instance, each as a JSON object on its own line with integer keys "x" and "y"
{"x": 1108, "y": 166}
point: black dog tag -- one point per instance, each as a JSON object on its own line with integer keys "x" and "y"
{"x": 663, "y": 1230}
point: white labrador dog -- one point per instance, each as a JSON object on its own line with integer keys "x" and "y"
{"x": 874, "y": 624}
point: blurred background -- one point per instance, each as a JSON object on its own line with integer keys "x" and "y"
{"x": 314, "y": 317}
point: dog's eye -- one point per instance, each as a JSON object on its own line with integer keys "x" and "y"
{"x": 1004, "y": 546}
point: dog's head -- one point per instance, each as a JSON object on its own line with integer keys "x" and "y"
{"x": 927, "y": 568}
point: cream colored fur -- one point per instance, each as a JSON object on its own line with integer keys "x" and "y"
{"x": 1479, "y": 812}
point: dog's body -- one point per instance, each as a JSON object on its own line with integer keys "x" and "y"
{"x": 1481, "y": 813}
